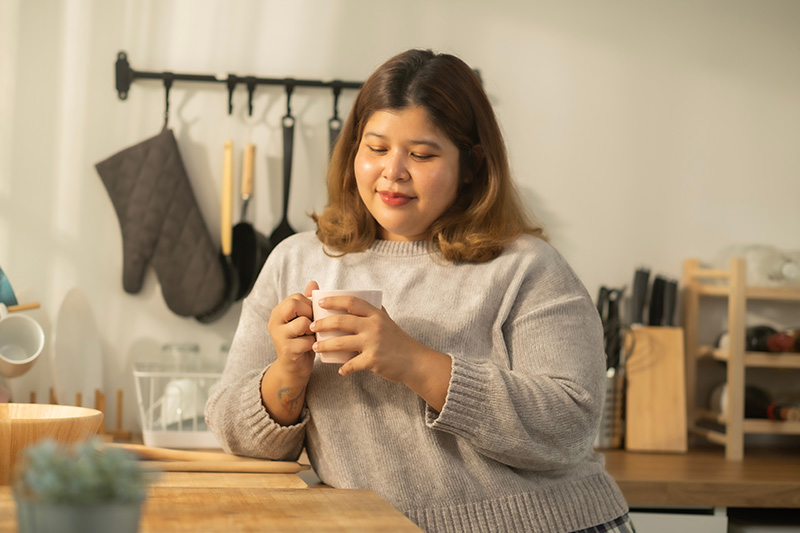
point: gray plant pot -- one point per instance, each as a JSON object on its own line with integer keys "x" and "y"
{"x": 39, "y": 517}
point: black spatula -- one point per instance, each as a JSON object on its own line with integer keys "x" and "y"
{"x": 285, "y": 229}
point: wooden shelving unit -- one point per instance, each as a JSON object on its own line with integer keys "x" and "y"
{"x": 730, "y": 284}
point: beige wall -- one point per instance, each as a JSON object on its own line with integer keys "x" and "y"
{"x": 640, "y": 133}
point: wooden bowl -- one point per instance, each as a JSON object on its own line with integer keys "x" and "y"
{"x": 24, "y": 424}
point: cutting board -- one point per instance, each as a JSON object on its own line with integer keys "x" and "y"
{"x": 655, "y": 396}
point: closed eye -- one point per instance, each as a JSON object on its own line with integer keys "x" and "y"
{"x": 422, "y": 157}
{"x": 377, "y": 150}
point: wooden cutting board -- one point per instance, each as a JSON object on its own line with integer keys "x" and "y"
{"x": 655, "y": 397}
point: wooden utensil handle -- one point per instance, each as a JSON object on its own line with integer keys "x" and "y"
{"x": 227, "y": 198}
{"x": 247, "y": 170}
{"x": 168, "y": 454}
{"x": 245, "y": 466}
{"x": 23, "y": 307}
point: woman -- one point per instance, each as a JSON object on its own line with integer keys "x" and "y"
{"x": 475, "y": 397}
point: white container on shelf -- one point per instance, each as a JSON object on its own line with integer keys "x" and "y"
{"x": 767, "y": 266}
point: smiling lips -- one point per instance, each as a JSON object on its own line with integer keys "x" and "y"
{"x": 394, "y": 199}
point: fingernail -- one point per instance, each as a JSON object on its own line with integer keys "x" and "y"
{"x": 312, "y": 326}
{"x": 315, "y": 346}
{"x": 341, "y": 371}
{"x": 321, "y": 301}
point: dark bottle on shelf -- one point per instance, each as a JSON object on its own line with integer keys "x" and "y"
{"x": 756, "y": 338}
{"x": 757, "y": 404}
{"x": 781, "y": 342}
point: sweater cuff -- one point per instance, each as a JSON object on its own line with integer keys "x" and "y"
{"x": 258, "y": 422}
{"x": 464, "y": 407}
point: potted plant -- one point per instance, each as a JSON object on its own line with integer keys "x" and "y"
{"x": 81, "y": 488}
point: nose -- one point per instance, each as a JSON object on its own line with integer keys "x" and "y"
{"x": 395, "y": 167}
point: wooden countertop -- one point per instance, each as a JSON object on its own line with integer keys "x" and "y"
{"x": 235, "y": 509}
{"x": 703, "y": 477}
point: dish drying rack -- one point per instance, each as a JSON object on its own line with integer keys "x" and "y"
{"x": 172, "y": 403}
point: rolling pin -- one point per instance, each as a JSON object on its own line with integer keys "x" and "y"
{"x": 197, "y": 461}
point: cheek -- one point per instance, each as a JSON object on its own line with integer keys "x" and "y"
{"x": 363, "y": 166}
{"x": 363, "y": 172}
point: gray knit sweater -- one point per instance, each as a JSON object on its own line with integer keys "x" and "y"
{"x": 511, "y": 449}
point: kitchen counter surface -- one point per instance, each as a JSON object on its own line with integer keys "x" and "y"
{"x": 703, "y": 477}
{"x": 234, "y": 509}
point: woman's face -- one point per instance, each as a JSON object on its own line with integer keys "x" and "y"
{"x": 407, "y": 172}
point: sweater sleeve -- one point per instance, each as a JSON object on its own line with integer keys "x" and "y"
{"x": 235, "y": 412}
{"x": 542, "y": 411}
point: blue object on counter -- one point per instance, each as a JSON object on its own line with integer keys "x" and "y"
{"x": 6, "y": 292}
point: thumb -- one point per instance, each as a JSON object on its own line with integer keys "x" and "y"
{"x": 310, "y": 286}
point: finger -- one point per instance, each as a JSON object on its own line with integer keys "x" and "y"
{"x": 353, "y": 365}
{"x": 295, "y": 306}
{"x": 350, "y": 304}
{"x": 298, "y": 327}
{"x": 344, "y": 343}
{"x": 311, "y": 286}
{"x": 300, "y": 345}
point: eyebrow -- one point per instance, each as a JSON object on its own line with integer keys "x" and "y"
{"x": 414, "y": 142}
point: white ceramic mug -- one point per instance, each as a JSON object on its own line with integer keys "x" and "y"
{"x": 371, "y": 297}
{"x": 21, "y": 343}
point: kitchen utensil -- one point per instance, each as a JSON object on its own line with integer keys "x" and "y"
{"x": 250, "y": 247}
{"x": 335, "y": 123}
{"x": 655, "y": 315}
{"x": 6, "y": 292}
{"x": 21, "y": 343}
{"x": 285, "y": 229}
{"x": 24, "y": 424}
{"x": 608, "y": 307}
{"x": 638, "y": 299}
{"x": 23, "y": 307}
{"x": 254, "y": 466}
{"x": 226, "y": 221}
{"x": 77, "y": 356}
{"x": 203, "y": 461}
{"x": 670, "y": 298}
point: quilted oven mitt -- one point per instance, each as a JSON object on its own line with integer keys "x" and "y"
{"x": 161, "y": 223}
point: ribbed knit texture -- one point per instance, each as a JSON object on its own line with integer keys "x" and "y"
{"x": 511, "y": 449}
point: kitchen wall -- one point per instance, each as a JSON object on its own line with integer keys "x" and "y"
{"x": 640, "y": 132}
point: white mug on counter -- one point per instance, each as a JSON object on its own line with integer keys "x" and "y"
{"x": 370, "y": 296}
{"x": 21, "y": 343}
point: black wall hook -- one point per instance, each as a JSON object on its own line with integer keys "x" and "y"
{"x": 231, "y": 80}
{"x": 251, "y": 88}
{"x": 168, "y": 78}
{"x": 337, "y": 90}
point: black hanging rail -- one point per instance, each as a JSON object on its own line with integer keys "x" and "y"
{"x": 125, "y": 75}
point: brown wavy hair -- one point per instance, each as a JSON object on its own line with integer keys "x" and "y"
{"x": 487, "y": 214}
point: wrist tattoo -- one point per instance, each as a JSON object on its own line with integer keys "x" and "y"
{"x": 291, "y": 399}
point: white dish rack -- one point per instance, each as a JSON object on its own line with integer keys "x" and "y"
{"x": 171, "y": 405}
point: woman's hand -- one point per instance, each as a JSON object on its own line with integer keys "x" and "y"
{"x": 384, "y": 348}
{"x": 283, "y": 389}
{"x": 289, "y": 328}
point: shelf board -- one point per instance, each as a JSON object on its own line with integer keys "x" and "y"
{"x": 771, "y": 427}
{"x": 754, "y": 359}
{"x": 750, "y": 425}
{"x": 753, "y": 293}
